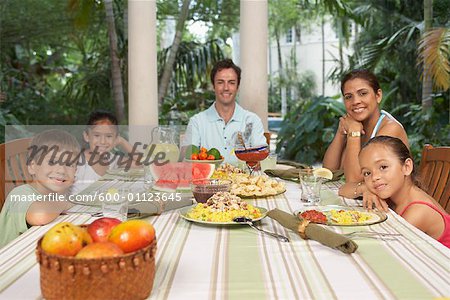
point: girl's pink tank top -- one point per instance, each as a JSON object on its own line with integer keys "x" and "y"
{"x": 445, "y": 236}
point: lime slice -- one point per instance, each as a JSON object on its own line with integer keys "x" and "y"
{"x": 323, "y": 172}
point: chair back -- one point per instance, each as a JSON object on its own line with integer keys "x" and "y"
{"x": 434, "y": 171}
{"x": 13, "y": 166}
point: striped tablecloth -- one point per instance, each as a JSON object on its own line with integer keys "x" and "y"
{"x": 236, "y": 262}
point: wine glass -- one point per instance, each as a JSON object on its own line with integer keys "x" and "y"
{"x": 252, "y": 156}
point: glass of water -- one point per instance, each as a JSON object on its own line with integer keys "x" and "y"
{"x": 311, "y": 187}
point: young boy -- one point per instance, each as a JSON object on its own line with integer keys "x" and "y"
{"x": 51, "y": 161}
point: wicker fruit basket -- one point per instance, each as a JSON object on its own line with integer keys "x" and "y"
{"x": 129, "y": 276}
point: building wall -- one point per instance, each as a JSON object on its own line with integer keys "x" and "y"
{"x": 309, "y": 55}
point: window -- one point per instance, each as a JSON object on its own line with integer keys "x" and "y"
{"x": 289, "y": 36}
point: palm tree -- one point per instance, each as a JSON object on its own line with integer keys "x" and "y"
{"x": 119, "y": 102}
{"x": 434, "y": 51}
{"x": 427, "y": 100}
{"x": 82, "y": 9}
{"x": 168, "y": 66}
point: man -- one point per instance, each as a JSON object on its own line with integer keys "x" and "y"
{"x": 217, "y": 126}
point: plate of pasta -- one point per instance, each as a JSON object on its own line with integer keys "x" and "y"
{"x": 221, "y": 209}
{"x": 335, "y": 215}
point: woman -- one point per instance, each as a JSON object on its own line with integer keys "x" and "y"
{"x": 363, "y": 121}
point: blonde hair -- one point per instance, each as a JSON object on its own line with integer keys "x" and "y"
{"x": 51, "y": 140}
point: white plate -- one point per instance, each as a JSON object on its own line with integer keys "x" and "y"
{"x": 183, "y": 213}
{"x": 375, "y": 216}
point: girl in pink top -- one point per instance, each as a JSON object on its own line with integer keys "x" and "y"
{"x": 388, "y": 171}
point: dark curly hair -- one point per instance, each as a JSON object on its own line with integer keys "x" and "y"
{"x": 225, "y": 64}
{"x": 362, "y": 74}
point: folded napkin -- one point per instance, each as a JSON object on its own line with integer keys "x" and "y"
{"x": 292, "y": 164}
{"x": 286, "y": 174}
{"x": 156, "y": 207}
{"x": 314, "y": 232}
{"x": 292, "y": 173}
{"x": 338, "y": 174}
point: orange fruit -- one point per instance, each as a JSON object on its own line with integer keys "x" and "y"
{"x": 100, "y": 249}
{"x": 132, "y": 235}
{"x": 65, "y": 239}
{"x": 210, "y": 157}
{"x": 194, "y": 156}
{"x": 203, "y": 150}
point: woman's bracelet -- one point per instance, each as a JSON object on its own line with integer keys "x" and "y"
{"x": 356, "y": 189}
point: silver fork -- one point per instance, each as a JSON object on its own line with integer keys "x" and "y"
{"x": 249, "y": 222}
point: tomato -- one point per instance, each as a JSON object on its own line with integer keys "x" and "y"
{"x": 210, "y": 157}
{"x": 194, "y": 156}
{"x": 203, "y": 150}
{"x": 314, "y": 216}
{"x": 202, "y": 155}
{"x": 132, "y": 235}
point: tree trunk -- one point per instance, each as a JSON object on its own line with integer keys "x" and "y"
{"x": 323, "y": 56}
{"x": 118, "y": 97}
{"x": 281, "y": 72}
{"x": 427, "y": 101}
{"x": 168, "y": 67}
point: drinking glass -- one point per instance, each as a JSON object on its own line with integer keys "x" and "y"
{"x": 311, "y": 186}
{"x": 270, "y": 162}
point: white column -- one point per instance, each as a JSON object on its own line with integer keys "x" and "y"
{"x": 142, "y": 65}
{"x": 253, "y": 93}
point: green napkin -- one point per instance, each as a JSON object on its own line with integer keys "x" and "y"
{"x": 338, "y": 174}
{"x": 148, "y": 208}
{"x": 293, "y": 164}
{"x": 287, "y": 174}
{"x": 315, "y": 232}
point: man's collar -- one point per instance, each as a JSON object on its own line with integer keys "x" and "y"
{"x": 213, "y": 115}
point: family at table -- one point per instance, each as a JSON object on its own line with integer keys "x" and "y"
{"x": 370, "y": 146}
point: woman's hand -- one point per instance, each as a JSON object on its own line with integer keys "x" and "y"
{"x": 351, "y": 125}
{"x": 369, "y": 200}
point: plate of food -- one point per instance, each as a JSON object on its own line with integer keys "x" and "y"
{"x": 221, "y": 209}
{"x": 335, "y": 215}
{"x": 246, "y": 186}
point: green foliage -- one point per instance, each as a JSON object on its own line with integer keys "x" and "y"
{"x": 308, "y": 128}
{"x": 7, "y": 118}
{"x": 301, "y": 86}
{"x": 429, "y": 127}
{"x": 193, "y": 64}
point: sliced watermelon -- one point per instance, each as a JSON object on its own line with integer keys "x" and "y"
{"x": 178, "y": 176}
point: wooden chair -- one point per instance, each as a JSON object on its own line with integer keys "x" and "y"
{"x": 434, "y": 171}
{"x": 13, "y": 168}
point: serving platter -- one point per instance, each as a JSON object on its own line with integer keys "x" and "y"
{"x": 184, "y": 214}
{"x": 374, "y": 217}
{"x": 257, "y": 195}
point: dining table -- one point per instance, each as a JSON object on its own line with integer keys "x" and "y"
{"x": 208, "y": 261}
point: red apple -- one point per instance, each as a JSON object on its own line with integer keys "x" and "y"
{"x": 132, "y": 235}
{"x": 100, "y": 229}
{"x": 101, "y": 249}
{"x": 65, "y": 239}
